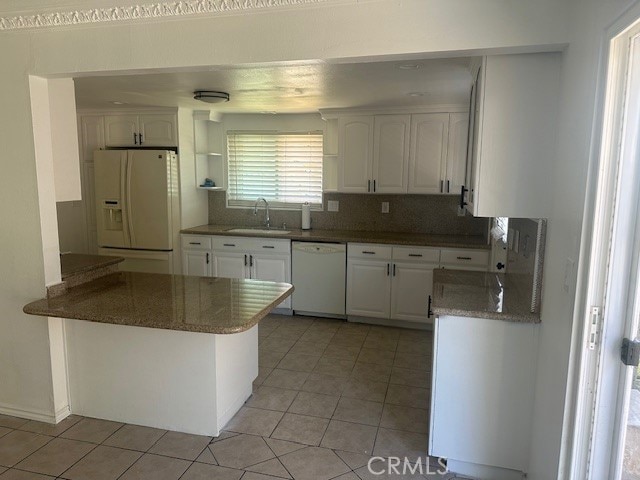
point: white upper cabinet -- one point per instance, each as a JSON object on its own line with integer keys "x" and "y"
{"x": 157, "y": 130}
{"x": 121, "y": 130}
{"x": 355, "y": 154}
{"x": 455, "y": 171}
{"x": 513, "y": 147}
{"x": 130, "y": 130}
{"x": 419, "y": 153}
{"x": 390, "y": 153}
{"x": 427, "y": 160}
{"x": 91, "y": 136}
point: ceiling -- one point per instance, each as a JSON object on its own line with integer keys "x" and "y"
{"x": 288, "y": 88}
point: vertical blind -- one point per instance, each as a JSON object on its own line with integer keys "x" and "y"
{"x": 284, "y": 168}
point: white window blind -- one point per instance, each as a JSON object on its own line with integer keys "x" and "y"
{"x": 284, "y": 168}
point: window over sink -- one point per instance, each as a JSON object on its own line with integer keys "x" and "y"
{"x": 283, "y": 167}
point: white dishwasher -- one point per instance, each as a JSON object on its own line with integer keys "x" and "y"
{"x": 319, "y": 277}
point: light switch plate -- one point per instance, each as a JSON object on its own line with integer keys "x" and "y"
{"x": 510, "y": 237}
{"x": 516, "y": 241}
{"x": 333, "y": 205}
{"x": 385, "y": 207}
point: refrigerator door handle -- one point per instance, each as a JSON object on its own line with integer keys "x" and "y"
{"x": 132, "y": 237}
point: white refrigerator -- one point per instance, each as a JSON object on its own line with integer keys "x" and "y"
{"x": 137, "y": 207}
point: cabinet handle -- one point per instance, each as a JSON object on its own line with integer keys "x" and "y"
{"x": 368, "y": 185}
{"x": 415, "y": 254}
{"x": 207, "y": 258}
{"x": 268, "y": 246}
{"x": 251, "y": 260}
{"x": 462, "y": 192}
{"x": 140, "y": 138}
{"x": 195, "y": 243}
{"x": 429, "y": 311}
{"x": 463, "y": 258}
{"x": 367, "y": 252}
{"x": 374, "y": 186}
{"x": 447, "y": 186}
{"x": 245, "y": 260}
{"x": 135, "y": 138}
{"x": 229, "y": 244}
{"x": 394, "y": 269}
{"x": 388, "y": 268}
{"x": 441, "y": 186}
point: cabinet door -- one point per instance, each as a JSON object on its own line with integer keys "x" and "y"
{"x": 391, "y": 153}
{"x": 355, "y": 154}
{"x": 119, "y": 130}
{"x": 158, "y": 130}
{"x": 368, "y": 288}
{"x": 410, "y": 289}
{"x": 229, "y": 265}
{"x": 91, "y": 136}
{"x": 196, "y": 263}
{"x": 456, "y": 153}
{"x": 473, "y": 151}
{"x": 273, "y": 268}
{"x": 428, "y": 152}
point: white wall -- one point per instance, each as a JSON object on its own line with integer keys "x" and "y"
{"x": 333, "y": 30}
{"x": 589, "y": 19}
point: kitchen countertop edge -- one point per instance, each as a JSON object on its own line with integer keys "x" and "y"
{"x": 475, "y": 297}
{"x": 475, "y": 242}
{"x": 42, "y": 308}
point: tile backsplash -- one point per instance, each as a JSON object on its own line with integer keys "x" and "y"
{"x": 430, "y": 214}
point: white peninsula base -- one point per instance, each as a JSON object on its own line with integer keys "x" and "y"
{"x": 184, "y": 381}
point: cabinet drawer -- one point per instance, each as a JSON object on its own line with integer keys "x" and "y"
{"x": 370, "y": 251}
{"x": 196, "y": 242}
{"x": 233, "y": 244}
{"x": 252, "y": 244}
{"x": 269, "y": 245}
{"x": 461, "y": 257}
{"x": 416, "y": 254}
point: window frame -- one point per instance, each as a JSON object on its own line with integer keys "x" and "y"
{"x": 273, "y": 205}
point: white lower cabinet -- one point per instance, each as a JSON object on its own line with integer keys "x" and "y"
{"x": 483, "y": 436}
{"x": 411, "y": 286}
{"x": 390, "y": 282}
{"x": 229, "y": 265}
{"x": 368, "y": 288}
{"x": 196, "y": 263}
{"x": 238, "y": 257}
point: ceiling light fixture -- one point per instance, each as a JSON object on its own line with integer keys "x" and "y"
{"x": 415, "y": 94}
{"x": 209, "y": 96}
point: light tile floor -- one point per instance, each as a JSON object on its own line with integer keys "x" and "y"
{"x": 329, "y": 395}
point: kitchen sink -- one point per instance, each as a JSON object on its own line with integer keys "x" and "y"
{"x": 261, "y": 231}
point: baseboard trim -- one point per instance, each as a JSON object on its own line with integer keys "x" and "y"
{"x": 391, "y": 323}
{"x": 38, "y": 415}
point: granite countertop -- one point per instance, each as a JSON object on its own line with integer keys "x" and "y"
{"x": 76, "y": 263}
{"x": 170, "y": 302}
{"x": 344, "y": 236}
{"x": 481, "y": 295}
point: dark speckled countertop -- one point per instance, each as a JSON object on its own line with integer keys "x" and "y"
{"x": 344, "y": 236}
{"x": 76, "y": 263}
{"x": 170, "y": 302}
{"x": 480, "y": 295}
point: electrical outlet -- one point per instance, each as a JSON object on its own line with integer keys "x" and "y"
{"x": 385, "y": 207}
{"x": 333, "y": 205}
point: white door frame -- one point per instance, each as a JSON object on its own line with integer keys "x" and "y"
{"x": 596, "y": 373}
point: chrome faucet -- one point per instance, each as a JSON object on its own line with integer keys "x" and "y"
{"x": 267, "y": 222}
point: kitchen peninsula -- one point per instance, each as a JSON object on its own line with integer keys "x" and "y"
{"x": 165, "y": 351}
